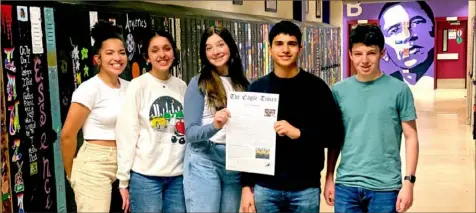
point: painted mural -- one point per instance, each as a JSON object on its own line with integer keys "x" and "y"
{"x": 408, "y": 28}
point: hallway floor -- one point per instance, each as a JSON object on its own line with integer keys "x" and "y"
{"x": 446, "y": 165}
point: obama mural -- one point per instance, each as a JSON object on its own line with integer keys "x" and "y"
{"x": 408, "y": 28}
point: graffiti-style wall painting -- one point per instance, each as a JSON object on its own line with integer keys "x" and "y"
{"x": 409, "y": 30}
{"x": 28, "y": 124}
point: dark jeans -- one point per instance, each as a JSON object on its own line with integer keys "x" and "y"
{"x": 356, "y": 199}
{"x": 269, "y": 200}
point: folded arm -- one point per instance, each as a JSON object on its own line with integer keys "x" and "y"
{"x": 194, "y": 104}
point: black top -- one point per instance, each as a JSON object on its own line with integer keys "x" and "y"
{"x": 306, "y": 102}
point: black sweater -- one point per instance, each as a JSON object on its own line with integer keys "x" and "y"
{"x": 306, "y": 102}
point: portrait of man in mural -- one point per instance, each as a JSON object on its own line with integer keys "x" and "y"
{"x": 408, "y": 28}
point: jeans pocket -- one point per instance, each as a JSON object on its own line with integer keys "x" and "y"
{"x": 201, "y": 147}
{"x": 96, "y": 158}
{"x": 72, "y": 178}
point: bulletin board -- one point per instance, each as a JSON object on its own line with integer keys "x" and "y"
{"x": 28, "y": 121}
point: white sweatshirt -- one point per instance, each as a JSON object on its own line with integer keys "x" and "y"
{"x": 150, "y": 132}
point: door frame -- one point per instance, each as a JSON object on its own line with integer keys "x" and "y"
{"x": 465, "y": 43}
{"x": 349, "y": 28}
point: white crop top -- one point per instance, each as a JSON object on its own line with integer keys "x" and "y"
{"x": 104, "y": 103}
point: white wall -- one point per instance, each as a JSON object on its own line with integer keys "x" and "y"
{"x": 336, "y": 16}
{"x": 469, "y": 84}
{"x": 311, "y": 15}
{"x": 285, "y": 8}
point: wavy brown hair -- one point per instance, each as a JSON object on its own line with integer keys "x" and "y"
{"x": 209, "y": 81}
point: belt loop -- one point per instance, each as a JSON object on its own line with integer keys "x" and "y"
{"x": 85, "y": 146}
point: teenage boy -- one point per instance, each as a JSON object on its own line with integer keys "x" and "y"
{"x": 308, "y": 121}
{"x": 376, "y": 109}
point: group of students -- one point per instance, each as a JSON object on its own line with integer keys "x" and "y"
{"x": 165, "y": 141}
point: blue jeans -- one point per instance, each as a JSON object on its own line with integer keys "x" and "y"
{"x": 356, "y": 199}
{"x": 156, "y": 194}
{"x": 270, "y": 200}
{"x": 209, "y": 187}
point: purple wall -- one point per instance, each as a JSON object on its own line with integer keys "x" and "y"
{"x": 395, "y": 40}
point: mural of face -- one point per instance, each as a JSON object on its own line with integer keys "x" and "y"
{"x": 408, "y": 34}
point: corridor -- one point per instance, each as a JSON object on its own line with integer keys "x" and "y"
{"x": 446, "y": 166}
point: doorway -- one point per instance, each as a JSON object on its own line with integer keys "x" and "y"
{"x": 351, "y": 25}
{"x": 451, "y": 53}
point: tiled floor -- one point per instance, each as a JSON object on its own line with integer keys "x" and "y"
{"x": 446, "y": 167}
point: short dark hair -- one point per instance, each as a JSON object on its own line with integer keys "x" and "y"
{"x": 103, "y": 31}
{"x": 367, "y": 34}
{"x": 162, "y": 33}
{"x": 285, "y": 27}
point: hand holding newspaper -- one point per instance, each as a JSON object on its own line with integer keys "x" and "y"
{"x": 250, "y": 133}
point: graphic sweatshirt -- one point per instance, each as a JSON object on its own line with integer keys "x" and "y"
{"x": 150, "y": 129}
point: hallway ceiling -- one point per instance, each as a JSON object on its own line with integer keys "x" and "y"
{"x": 374, "y": 1}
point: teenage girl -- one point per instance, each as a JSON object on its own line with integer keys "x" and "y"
{"x": 209, "y": 187}
{"x": 150, "y": 133}
{"x": 94, "y": 108}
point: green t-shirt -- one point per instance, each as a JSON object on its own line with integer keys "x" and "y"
{"x": 372, "y": 113}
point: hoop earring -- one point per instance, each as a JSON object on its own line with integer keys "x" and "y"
{"x": 148, "y": 66}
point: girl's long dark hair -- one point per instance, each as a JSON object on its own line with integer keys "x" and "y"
{"x": 209, "y": 81}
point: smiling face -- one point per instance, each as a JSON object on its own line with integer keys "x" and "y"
{"x": 407, "y": 28}
{"x": 366, "y": 59}
{"x": 217, "y": 51}
{"x": 112, "y": 56}
{"x": 161, "y": 54}
{"x": 285, "y": 50}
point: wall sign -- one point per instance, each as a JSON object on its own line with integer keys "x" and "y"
{"x": 271, "y": 6}
{"x": 451, "y": 34}
{"x": 318, "y": 8}
{"x": 353, "y": 10}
